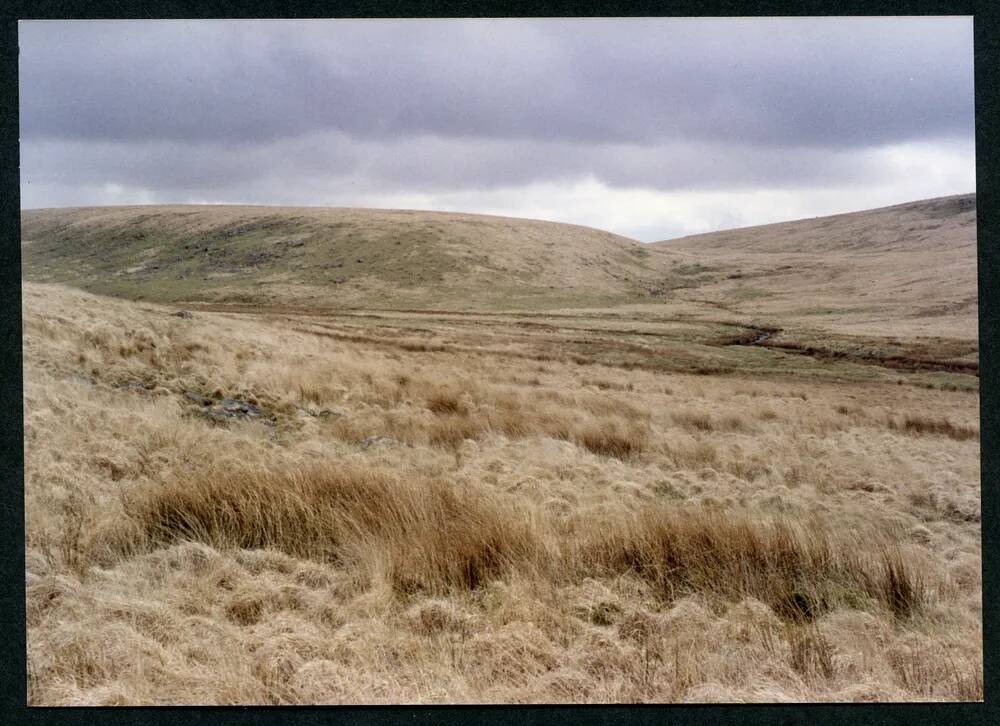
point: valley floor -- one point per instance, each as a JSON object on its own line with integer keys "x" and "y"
{"x": 412, "y": 507}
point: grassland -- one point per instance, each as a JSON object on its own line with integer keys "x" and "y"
{"x": 337, "y": 257}
{"x": 629, "y": 502}
{"x": 909, "y": 269}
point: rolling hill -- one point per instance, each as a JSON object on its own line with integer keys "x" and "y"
{"x": 903, "y": 271}
{"x": 908, "y": 269}
{"x": 915, "y": 226}
{"x": 336, "y": 257}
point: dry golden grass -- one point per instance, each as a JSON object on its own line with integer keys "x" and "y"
{"x": 430, "y": 537}
{"x": 423, "y": 536}
{"x": 521, "y": 530}
{"x": 927, "y": 425}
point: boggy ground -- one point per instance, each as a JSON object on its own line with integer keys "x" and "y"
{"x": 433, "y": 508}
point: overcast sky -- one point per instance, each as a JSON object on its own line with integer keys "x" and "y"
{"x": 651, "y": 128}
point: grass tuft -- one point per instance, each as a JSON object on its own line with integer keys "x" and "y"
{"x": 428, "y": 536}
{"x": 617, "y": 444}
{"x": 928, "y": 425}
{"x": 900, "y": 587}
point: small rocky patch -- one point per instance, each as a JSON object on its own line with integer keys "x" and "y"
{"x": 228, "y": 409}
{"x": 378, "y": 441}
{"x": 233, "y": 407}
{"x": 320, "y": 413}
{"x": 198, "y": 398}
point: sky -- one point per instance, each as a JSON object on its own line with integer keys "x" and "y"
{"x": 650, "y": 128}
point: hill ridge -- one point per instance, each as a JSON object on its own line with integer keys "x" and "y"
{"x": 875, "y": 218}
{"x": 334, "y": 255}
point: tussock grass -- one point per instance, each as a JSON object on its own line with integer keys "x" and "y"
{"x": 696, "y": 455}
{"x": 617, "y": 444}
{"x": 746, "y": 468}
{"x": 695, "y": 420}
{"x": 766, "y": 414}
{"x": 427, "y": 535}
{"x": 446, "y": 402}
{"x": 607, "y": 427}
{"x": 931, "y": 426}
{"x": 812, "y": 654}
{"x": 846, "y": 410}
{"x": 899, "y": 586}
{"x": 703, "y": 421}
{"x": 585, "y": 545}
{"x": 800, "y": 571}
{"x": 430, "y": 537}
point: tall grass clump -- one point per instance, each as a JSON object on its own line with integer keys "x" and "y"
{"x": 901, "y": 588}
{"x": 798, "y": 570}
{"x": 446, "y": 402}
{"x": 430, "y": 536}
{"x": 424, "y": 535}
{"x": 930, "y": 426}
{"x": 620, "y": 443}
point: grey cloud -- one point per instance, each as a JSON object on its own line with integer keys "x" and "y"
{"x": 337, "y": 112}
{"x": 435, "y": 164}
{"x": 829, "y": 83}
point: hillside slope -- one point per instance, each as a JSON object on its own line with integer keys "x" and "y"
{"x": 332, "y": 256}
{"x": 916, "y": 226}
{"x": 909, "y": 268}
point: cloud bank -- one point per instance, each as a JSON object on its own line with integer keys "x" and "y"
{"x": 651, "y": 128}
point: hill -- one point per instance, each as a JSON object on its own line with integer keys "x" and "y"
{"x": 915, "y": 226}
{"x": 334, "y": 256}
{"x": 906, "y": 272}
{"x": 908, "y": 269}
